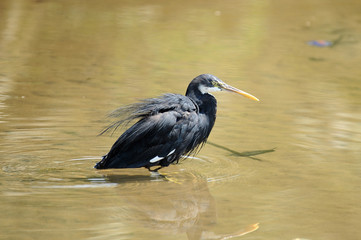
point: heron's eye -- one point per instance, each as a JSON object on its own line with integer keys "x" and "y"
{"x": 216, "y": 84}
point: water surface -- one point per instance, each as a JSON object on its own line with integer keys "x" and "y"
{"x": 290, "y": 162}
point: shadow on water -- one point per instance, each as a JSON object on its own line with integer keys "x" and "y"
{"x": 175, "y": 202}
{"x": 249, "y": 154}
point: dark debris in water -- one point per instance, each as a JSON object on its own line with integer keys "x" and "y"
{"x": 325, "y": 43}
{"x": 320, "y": 43}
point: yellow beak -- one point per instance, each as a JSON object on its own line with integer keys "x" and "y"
{"x": 235, "y": 90}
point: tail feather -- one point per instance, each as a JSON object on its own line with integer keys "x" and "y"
{"x": 101, "y": 164}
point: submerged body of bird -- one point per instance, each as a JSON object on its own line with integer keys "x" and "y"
{"x": 168, "y": 127}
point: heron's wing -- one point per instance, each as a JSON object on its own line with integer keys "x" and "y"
{"x": 148, "y": 107}
{"x": 168, "y": 127}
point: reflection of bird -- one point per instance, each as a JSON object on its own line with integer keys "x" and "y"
{"x": 186, "y": 206}
{"x": 178, "y": 203}
{"x": 168, "y": 127}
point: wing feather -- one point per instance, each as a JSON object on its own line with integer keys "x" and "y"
{"x": 167, "y": 127}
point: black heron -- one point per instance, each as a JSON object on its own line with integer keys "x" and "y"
{"x": 168, "y": 128}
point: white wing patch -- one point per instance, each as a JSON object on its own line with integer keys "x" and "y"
{"x": 157, "y": 159}
{"x": 171, "y": 152}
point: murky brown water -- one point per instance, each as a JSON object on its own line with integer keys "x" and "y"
{"x": 65, "y": 64}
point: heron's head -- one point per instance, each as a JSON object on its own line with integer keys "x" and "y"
{"x": 207, "y": 83}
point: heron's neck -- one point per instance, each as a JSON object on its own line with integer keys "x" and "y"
{"x": 206, "y": 102}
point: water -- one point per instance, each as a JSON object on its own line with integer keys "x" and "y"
{"x": 290, "y": 163}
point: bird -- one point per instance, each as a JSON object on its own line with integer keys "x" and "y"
{"x": 167, "y": 128}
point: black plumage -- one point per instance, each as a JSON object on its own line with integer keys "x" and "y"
{"x": 168, "y": 128}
